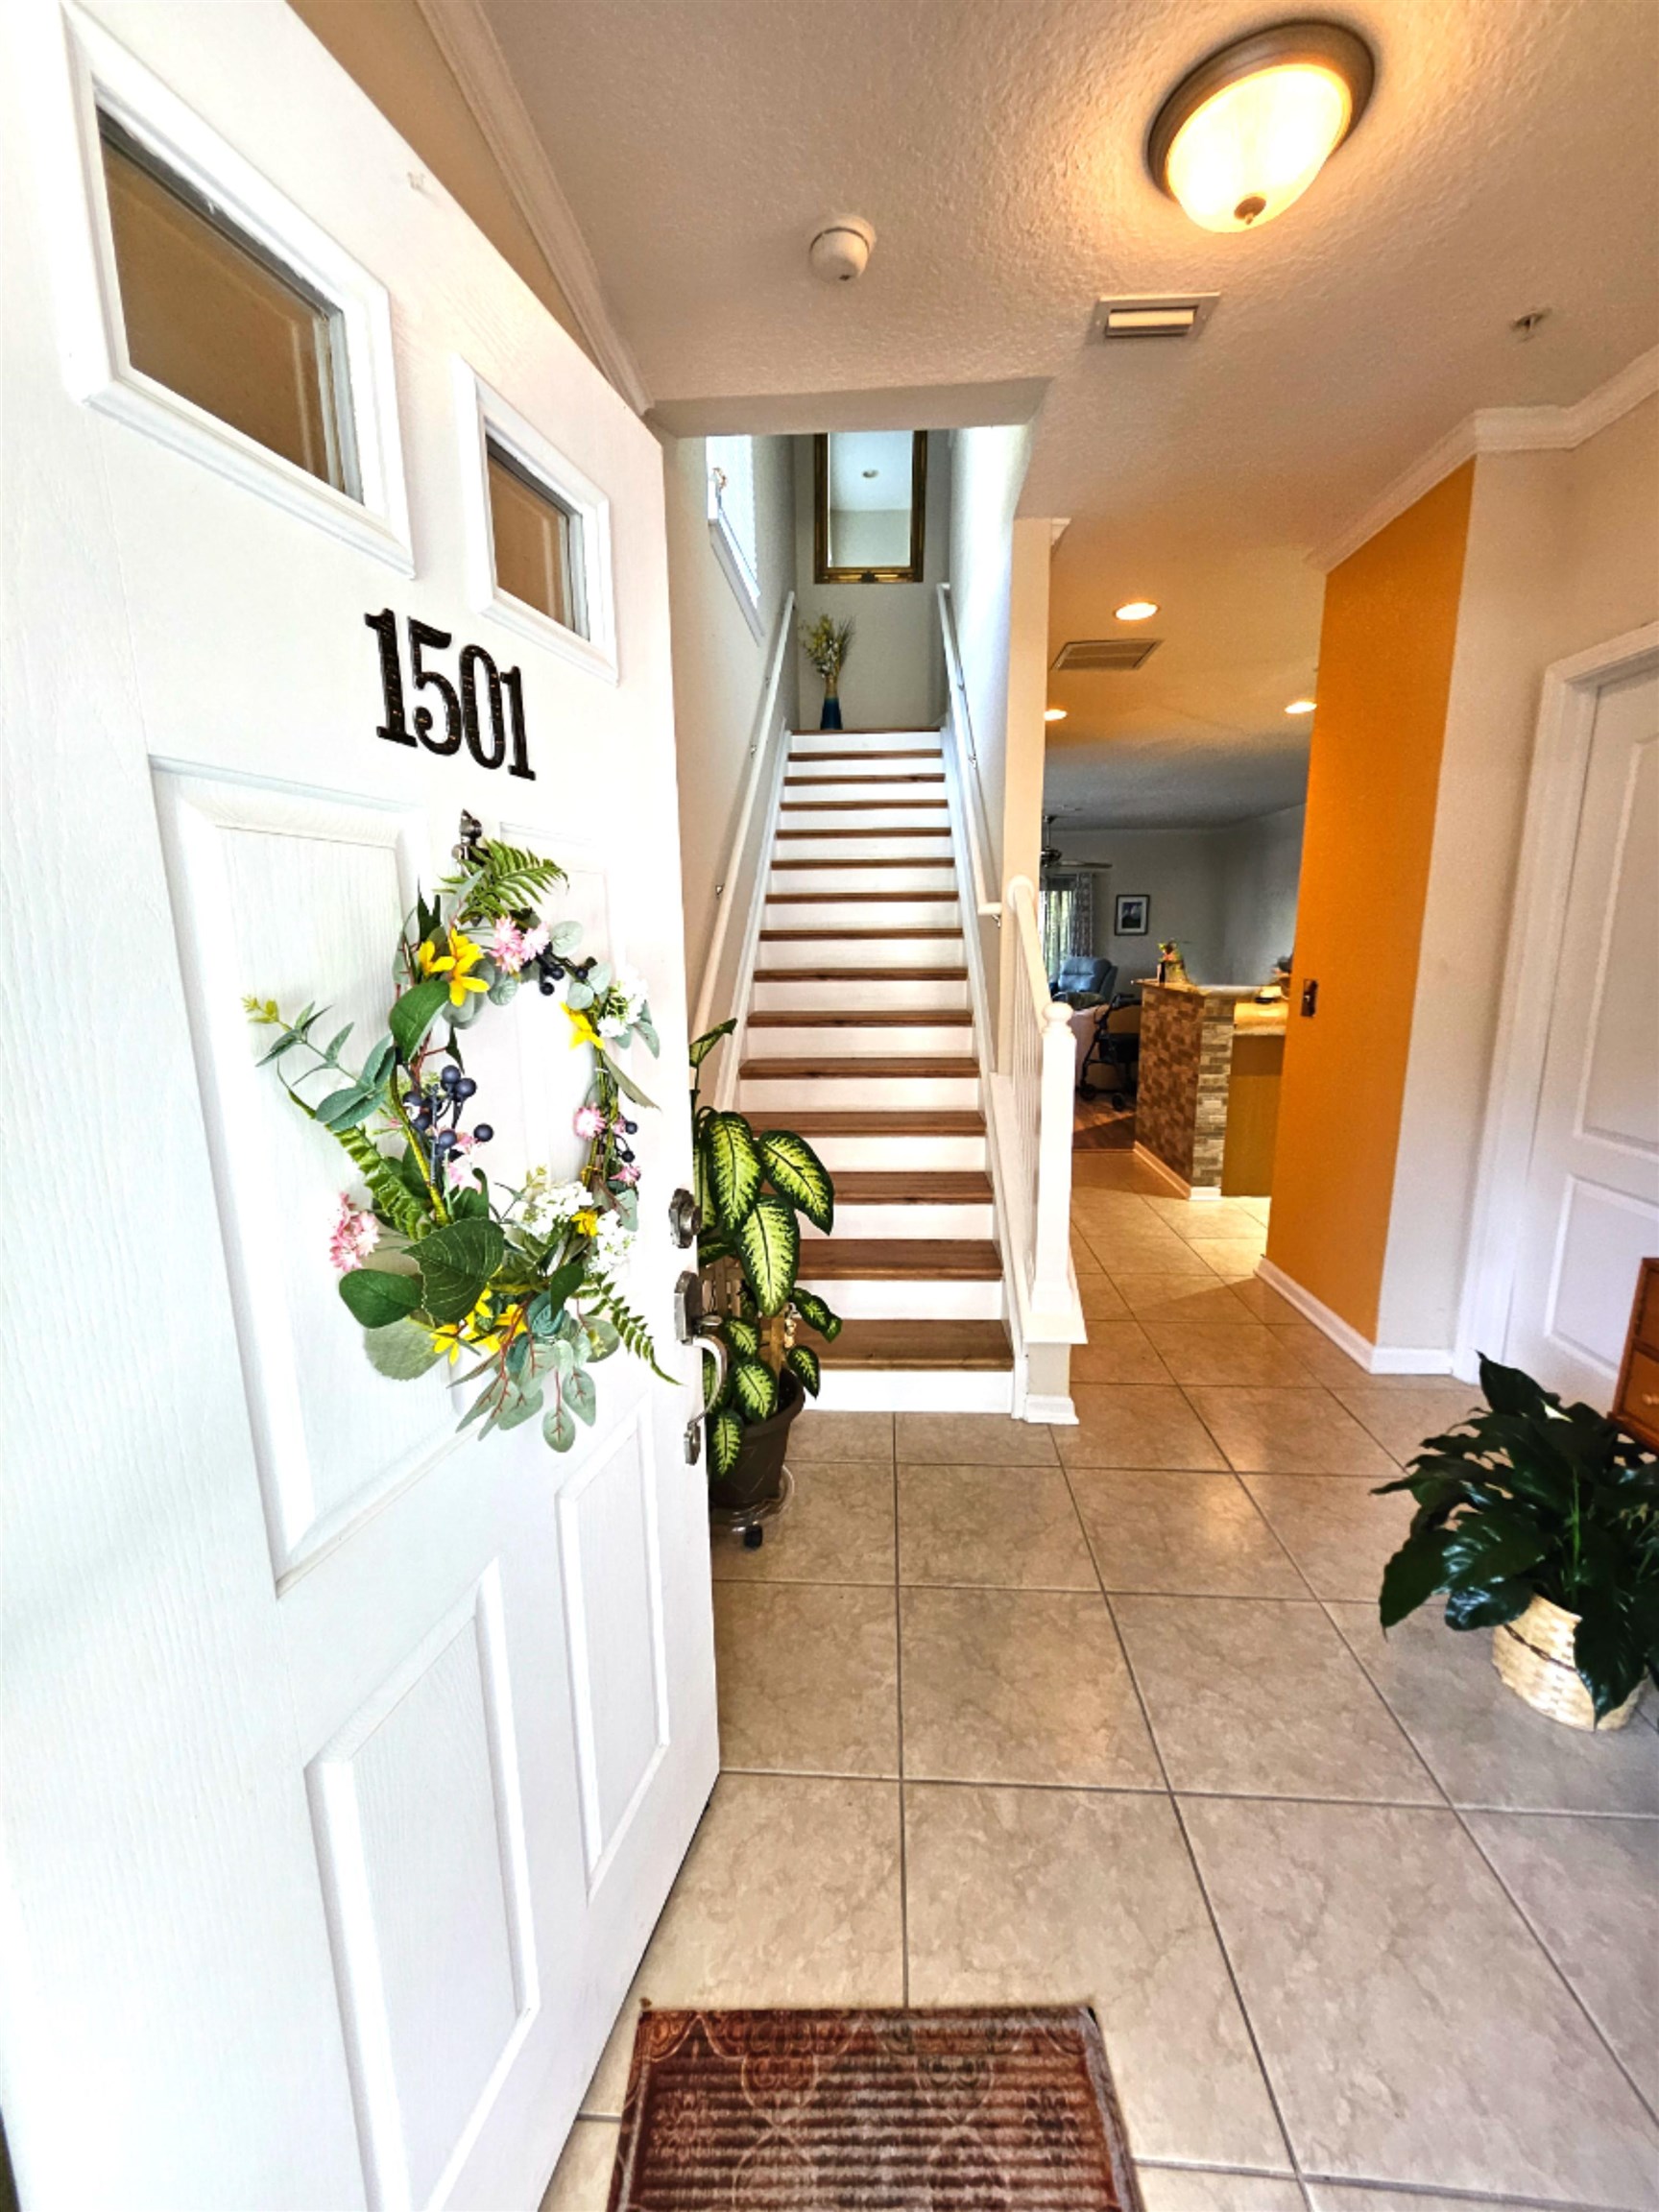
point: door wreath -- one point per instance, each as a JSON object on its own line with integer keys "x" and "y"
{"x": 435, "y": 1263}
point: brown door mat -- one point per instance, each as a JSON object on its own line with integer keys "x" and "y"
{"x": 877, "y": 2111}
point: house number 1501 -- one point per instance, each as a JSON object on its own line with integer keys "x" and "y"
{"x": 485, "y": 734}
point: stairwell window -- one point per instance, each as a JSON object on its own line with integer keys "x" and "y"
{"x": 733, "y": 523}
{"x": 221, "y": 321}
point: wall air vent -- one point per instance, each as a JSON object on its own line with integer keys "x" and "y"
{"x": 1162, "y": 315}
{"x": 1094, "y": 654}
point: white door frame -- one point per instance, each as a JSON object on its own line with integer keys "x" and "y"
{"x": 1554, "y": 800}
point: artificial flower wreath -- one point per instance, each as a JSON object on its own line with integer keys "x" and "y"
{"x": 434, "y": 1264}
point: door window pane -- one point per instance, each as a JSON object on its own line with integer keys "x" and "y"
{"x": 537, "y": 542}
{"x": 216, "y": 319}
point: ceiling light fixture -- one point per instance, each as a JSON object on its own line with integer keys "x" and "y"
{"x": 1300, "y": 706}
{"x": 1053, "y": 713}
{"x": 1244, "y": 134}
{"x": 1137, "y": 610}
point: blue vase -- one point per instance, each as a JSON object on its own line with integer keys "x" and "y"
{"x": 830, "y": 718}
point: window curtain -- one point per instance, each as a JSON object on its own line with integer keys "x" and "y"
{"x": 1067, "y": 917}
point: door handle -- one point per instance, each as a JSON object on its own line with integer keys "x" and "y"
{"x": 688, "y": 1306}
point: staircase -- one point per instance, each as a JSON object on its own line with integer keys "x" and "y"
{"x": 859, "y": 1034}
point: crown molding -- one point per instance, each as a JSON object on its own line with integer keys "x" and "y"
{"x": 468, "y": 46}
{"x": 1497, "y": 430}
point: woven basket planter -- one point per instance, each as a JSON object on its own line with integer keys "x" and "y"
{"x": 1534, "y": 1656}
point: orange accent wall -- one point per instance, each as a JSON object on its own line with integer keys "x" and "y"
{"x": 1387, "y": 644}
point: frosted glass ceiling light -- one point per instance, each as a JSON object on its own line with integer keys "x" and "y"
{"x": 1137, "y": 610}
{"x": 1245, "y": 134}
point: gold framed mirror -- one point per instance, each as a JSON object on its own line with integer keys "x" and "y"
{"x": 869, "y": 506}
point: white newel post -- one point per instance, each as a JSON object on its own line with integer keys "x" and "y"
{"x": 1050, "y": 1276}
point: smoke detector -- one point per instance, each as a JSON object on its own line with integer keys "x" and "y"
{"x": 841, "y": 252}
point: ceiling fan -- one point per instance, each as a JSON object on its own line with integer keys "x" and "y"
{"x": 1049, "y": 854}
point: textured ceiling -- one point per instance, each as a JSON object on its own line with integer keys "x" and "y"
{"x": 1509, "y": 162}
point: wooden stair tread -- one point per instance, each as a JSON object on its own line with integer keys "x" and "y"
{"x": 915, "y": 1186}
{"x": 860, "y": 975}
{"x": 853, "y": 898}
{"x": 841, "y": 936}
{"x": 913, "y": 1344}
{"x": 864, "y": 1018}
{"x": 840, "y": 782}
{"x": 920, "y": 1066}
{"x": 880, "y": 1121}
{"x": 895, "y": 1259}
{"x": 944, "y": 862}
{"x": 894, "y": 829}
{"x": 860, "y": 806}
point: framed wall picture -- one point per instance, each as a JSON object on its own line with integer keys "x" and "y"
{"x": 1131, "y": 914}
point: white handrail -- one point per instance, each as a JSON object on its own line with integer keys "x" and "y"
{"x": 767, "y": 724}
{"x": 960, "y": 725}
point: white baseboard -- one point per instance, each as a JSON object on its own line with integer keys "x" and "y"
{"x": 1374, "y": 1358}
{"x": 917, "y": 1390}
{"x": 1197, "y": 1192}
{"x": 1049, "y": 1407}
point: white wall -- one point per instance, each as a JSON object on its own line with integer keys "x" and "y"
{"x": 895, "y": 677}
{"x": 719, "y": 664}
{"x": 1226, "y": 893}
{"x": 1563, "y": 553}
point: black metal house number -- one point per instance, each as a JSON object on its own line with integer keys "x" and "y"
{"x": 486, "y": 736}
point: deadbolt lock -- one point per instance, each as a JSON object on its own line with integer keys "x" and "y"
{"x": 685, "y": 1218}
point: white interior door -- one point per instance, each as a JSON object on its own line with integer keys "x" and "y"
{"x": 1591, "y": 1202}
{"x": 347, "y": 1762}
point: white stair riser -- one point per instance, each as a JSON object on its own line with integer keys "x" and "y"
{"x": 908, "y": 995}
{"x": 917, "y": 1390}
{"x": 839, "y": 847}
{"x": 824, "y": 1041}
{"x": 807, "y": 744}
{"x": 901, "y": 1223}
{"x": 900, "y": 1155}
{"x": 872, "y": 817}
{"x": 929, "y": 879}
{"x": 783, "y": 1094}
{"x": 869, "y": 790}
{"x": 833, "y": 915}
{"x": 935, "y": 1300}
{"x": 859, "y": 952}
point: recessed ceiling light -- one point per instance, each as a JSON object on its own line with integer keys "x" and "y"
{"x": 1244, "y": 133}
{"x": 1053, "y": 713}
{"x": 1137, "y": 610}
{"x": 1300, "y": 706}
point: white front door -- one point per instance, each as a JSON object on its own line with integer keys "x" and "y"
{"x": 347, "y": 1762}
{"x": 1589, "y": 1208}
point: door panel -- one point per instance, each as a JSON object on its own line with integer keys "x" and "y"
{"x": 349, "y": 1761}
{"x": 1591, "y": 1207}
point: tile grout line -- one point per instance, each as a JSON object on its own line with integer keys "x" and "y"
{"x": 1192, "y": 1861}
{"x": 1458, "y": 1814}
{"x": 899, "y": 1723}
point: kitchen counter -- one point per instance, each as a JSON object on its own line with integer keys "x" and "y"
{"x": 1207, "y": 1105}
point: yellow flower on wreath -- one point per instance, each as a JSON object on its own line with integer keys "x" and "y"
{"x": 456, "y": 965}
{"x": 582, "y": 1030}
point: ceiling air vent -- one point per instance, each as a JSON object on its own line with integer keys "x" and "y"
{"x": 1160, "y": 315}
{"x": 1096, "y": 654}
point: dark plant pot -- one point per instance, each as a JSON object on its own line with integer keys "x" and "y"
{"x": 830, "y": 718}
{"x": 757, "y": 1477}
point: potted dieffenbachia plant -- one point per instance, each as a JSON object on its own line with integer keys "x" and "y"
{"x": 752, "y": 1191}
{"x": 1540, "y": 1522}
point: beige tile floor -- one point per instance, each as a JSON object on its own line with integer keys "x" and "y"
{"x": 1103, "y": 1713}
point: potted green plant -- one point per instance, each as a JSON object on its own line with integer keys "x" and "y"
{"x": 1540, "y": 1522}
{"x": 825, "y": 643}
{"x": 752, "y": 1190}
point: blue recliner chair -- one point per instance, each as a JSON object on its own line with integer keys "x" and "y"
{"x": 1084, "y": 982}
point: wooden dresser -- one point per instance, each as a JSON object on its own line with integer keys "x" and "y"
{"x": 1636, "y": 1406}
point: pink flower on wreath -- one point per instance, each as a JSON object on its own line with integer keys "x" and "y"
{"x": 464, "y": 1143}
{"x": 508, "y": 948}
{"x": 627, "y": 1172}
{"x": 588, "y": 1122}
{"x": 536, "y": 939}
{"x": 353, "y": 1237}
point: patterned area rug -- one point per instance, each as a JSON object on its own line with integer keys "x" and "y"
{"x": 802, "y": 2111}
